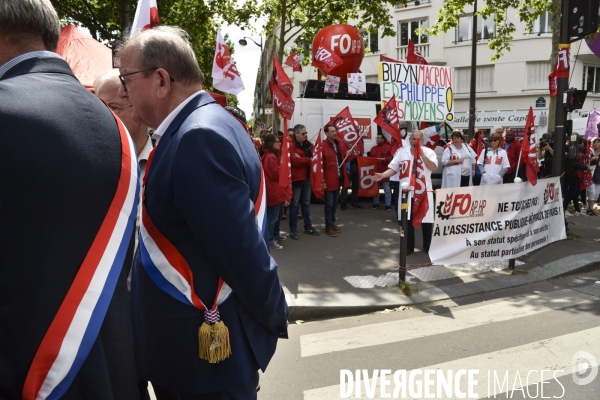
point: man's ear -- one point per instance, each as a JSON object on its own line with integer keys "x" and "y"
{"x": 165, "y": 83}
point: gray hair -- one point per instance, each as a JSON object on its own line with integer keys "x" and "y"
{"x": 298, "y": 128}
{"x": 19, "y": 18}
{"x": 419, "y": 132}
{"x": 166, "y": 47}
{"x": 112, "y": 75}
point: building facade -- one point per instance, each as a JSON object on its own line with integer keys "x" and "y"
{"x": 505, "y": 89}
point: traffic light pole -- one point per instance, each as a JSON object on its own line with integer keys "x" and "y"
{"x": 558, "y": 162}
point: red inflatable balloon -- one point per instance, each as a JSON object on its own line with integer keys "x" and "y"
{"x": 345, "y": 41}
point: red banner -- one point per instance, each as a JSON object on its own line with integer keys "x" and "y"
{"x": 367, "y": 187}
{"x": 326, "y": 59}
{"x": 285, "y": 171}
{"x": 283, "y": 103}
{"x": 316, "y": 168}
{"x": 383, "y": 58}
{"x": 420, "y": 202}
{"x": 414, "y": 56}
{"x": 388, "y": 119}
{"x": 293, "y": 61}
{"x": 529, "y": 149}
{"x": 561, "y": 70}
{"x": 281, "y": 79}
{"x": 347, "y": 129}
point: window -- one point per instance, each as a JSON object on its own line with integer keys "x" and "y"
{"x": 486, "y": 29}
{"x": 591, "y": 78}
{"x": 371, "y": 41}
{"x": 406, "y": 30}
{"x": 537, "y": 75}
{"x": 372, "y": 79}
{"x": 412, "y": 3}
{"x": 543, "y": 23}
{"x": 484, "y": 80}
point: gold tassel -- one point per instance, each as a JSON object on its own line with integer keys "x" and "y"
{"x": 214, "y": 342}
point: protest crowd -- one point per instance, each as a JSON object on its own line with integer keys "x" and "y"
{"x": 142, "y": 277}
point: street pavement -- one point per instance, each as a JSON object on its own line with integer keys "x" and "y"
{"x": 356, "y": 272}
{"x": 540, "y": 340}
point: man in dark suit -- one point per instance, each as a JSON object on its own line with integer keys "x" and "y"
{"x": 203, "y": 221}
{"x": 67, "y": 213}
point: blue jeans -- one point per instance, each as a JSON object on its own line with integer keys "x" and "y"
{"x": 301, "y": 197}
{"x": 387, "y": 194}
{"x": 331, "y": 202}
{"x": 274, "y": 214}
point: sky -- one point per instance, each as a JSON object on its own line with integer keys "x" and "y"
{"x": 247, "y": 59}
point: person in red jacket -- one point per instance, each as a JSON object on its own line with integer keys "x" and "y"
{"x": 335, "y": 176}
{"x": 513, "y": 149}
{"x": 381, "y": 151}
{"x": 300, "y": 158}
{"x": 276, "y": 196}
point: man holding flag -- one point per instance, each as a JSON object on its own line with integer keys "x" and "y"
{"x": 415, "y": 165}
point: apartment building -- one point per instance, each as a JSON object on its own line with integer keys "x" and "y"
{"x": 505, "y": 89}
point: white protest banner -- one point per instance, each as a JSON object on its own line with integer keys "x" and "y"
{"x": 423, "y": 92}
{"x": 493, "y": 222}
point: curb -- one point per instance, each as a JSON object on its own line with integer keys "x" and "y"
{"x": 333, "y": 305}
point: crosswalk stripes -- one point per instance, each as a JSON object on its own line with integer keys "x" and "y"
{"x": 395, "y": 331}
{"x": 515, "y": 369}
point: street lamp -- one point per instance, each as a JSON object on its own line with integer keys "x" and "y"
{"x": 261, "y": 93}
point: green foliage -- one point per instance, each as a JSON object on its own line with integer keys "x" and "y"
{"x": 527, "y": 11}
{"x": 301, "y": 19}
{"x": 108, "y": 20}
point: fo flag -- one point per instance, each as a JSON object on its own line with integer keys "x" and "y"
{"x": 528, "y": 149}
{"x": 388, "y": 119}
{"x": 281, "y": 79}
{"x": 383, "y": 58}
{"x": 225, "y": 75}
{"x": 284, "y": 104}
{"x": 285, "y": 171}
{"x": 293, "y": 61}
{"x": 146, "y": 16}
{"x": 367, "y": 187}
{"x": 414, "y": 56}
{"x": 561, "y": 70}
{"x": 347, "y": 128}
{"x": 316, "y": 168}
{"x": 325, "y": 59}
{"x": 420, "y": 203}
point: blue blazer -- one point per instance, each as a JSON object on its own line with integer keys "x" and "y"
{"x": 200, "y": 192}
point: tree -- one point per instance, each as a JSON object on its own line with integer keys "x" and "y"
{"x": 527, "y": 12}
{"x": 109, "y": 20}
{"x": 299, "y": 20}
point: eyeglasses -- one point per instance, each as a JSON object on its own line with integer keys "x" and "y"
{"x": 137, "y": 72}
{"x": 117, "y": 108}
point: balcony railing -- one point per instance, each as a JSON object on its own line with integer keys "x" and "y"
{"x": 400, "y": 6}
{"x": 401, "y": 52}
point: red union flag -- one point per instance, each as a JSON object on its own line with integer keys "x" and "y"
{"x": 561, "y": 70}
{"x": 293, "y": 61}
{"x": 528, "y": 149}
{"x": 283, "y": 103}
{"x": 388, "y": 119}
{"x": 414, "y": 56}
{"x": 225, "y": 75}
{"x": 285, "y": 171}
{"x": 281, "y": 79}
{"x": 420, "y": 202}
{"x": 367, "y": 187}
{"x": 146, "y": 16}
{"x": 383, "y": 58}
{"x": 316, "y": 168}
{"x": 326, "y": 59}
{"x": 348, "y": 130}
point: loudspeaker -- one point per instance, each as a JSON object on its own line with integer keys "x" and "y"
{"x": 314, "y": 89}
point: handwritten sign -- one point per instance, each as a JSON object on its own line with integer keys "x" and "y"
{"x": 423, "y": 92}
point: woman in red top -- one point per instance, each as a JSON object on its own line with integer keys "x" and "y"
{"x": 276, "y": 196}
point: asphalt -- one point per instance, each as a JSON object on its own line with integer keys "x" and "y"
{"x": 326, "y": 277}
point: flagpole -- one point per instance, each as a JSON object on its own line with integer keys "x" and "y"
{"x": 350, "y": 149}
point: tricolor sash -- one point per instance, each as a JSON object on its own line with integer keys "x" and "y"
{"x": 76, "y": 325}
{"x": 171, "y": 273}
